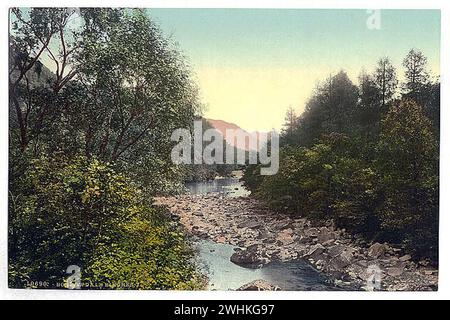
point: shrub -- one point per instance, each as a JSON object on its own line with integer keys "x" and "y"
{"x": 82, "y": 212}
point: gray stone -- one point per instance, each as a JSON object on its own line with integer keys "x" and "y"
{"x": 299, "y": 223}
{"x": 325, "y": 235}
{"x": 263, "y": 234}
{"x": 259, "y": 285}
{"x": 283, "y": 225}
{"x": 336, "y": 250}
{"x": 376, "y": 250}
{"x": 269, "y": 240}
{"x": 406, "y": 257}
{"x": 316, "y": 251}
{"x": 312, "y": 232}
{"x": 328, "y": 243}
{"x": 340, "y": 262}
{"x": 395, "y": 271}
{"x": 362, "y": 263}
{"x": 249, "y": 224}
{"x": 247, "y": 258}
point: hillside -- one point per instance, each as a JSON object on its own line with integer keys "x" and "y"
{"x": 222, "y": 126}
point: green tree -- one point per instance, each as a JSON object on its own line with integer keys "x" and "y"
{"x": 35, "y": 33}
{"x": 417, "y": 77}
{"x": 369, "y": 107}
{"x": 118, "y": 90}
{"x": 132, "y": 91}
{"x": 290, "y": 125}
{"x": 385, "y": 79}
{"x": 332, "y": 108}
{"x": 408, "y": 168}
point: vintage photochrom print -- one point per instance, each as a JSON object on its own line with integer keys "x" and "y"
{"x": 223, "y": 149}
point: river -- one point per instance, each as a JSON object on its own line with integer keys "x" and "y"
{"x": 214, "y": 258}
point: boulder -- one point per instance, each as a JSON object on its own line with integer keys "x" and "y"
{"x": 376, "y": 250}
{"x": 269, "y": 240}
{"x": 247, "y": 258}
{"x": 348, "y": 253}
{"x": 362, "y": 263}
{"x": 285, "y": 237}
{"x": 328, "y": 243}
{"x": 338, "y": 275}
{"x": 250, "y": 224}
{"x": 336, "y": 250}
{"x": 221, "y": 239}
{"x": 283, "y": 225}
{"x": 259, "y": 285}
{"x": 316, "y": 252}
{"x": 356, "y": 272}
{"x": 299, "y": 223}
{"x": 340, "y": 262}
{"x": 312, "y": 232}
{"x": 395, "y": 271}
{"x": 285, "y": 255}
{"x": 326, "y": 234}
{"x": 263, "y": 234}
{"x": 404, "y": 258}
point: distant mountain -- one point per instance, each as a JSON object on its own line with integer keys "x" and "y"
{"x": 222, "y": 126}
{"x": 38, "y": 76}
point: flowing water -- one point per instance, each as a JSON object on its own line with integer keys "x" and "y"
{"x": 230, "y": 187}
{"x": 215, "y": 261}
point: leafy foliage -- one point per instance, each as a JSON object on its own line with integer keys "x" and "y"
{"x": 328, "y": 110}
{"x": 325, "y": 181}
{"x": 117, "y": 90}
{"x": 82, "y": 212}
{"x": 408, "y": 165}
{"x": 363, "y": 158}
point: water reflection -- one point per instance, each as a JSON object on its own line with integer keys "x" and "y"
{"x": 225, "y": 275}
{"x": 230, "y": 187}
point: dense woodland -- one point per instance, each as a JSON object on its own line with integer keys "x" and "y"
{"x": 89, "y": 146}
{"x": 365, "y": 156}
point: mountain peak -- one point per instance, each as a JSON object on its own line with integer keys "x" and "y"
{"x": 222, "y": 126}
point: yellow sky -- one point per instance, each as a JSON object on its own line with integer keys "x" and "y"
{"x": 251, "y": 65}
{"x": 257, "y": 98}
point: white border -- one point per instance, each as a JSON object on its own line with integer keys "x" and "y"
{"x": 444, "y": 267}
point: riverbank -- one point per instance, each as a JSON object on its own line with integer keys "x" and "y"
{"x": 267, "y": 236}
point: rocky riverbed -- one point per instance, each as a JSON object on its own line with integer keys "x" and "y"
{"x": 266, "y": 236}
